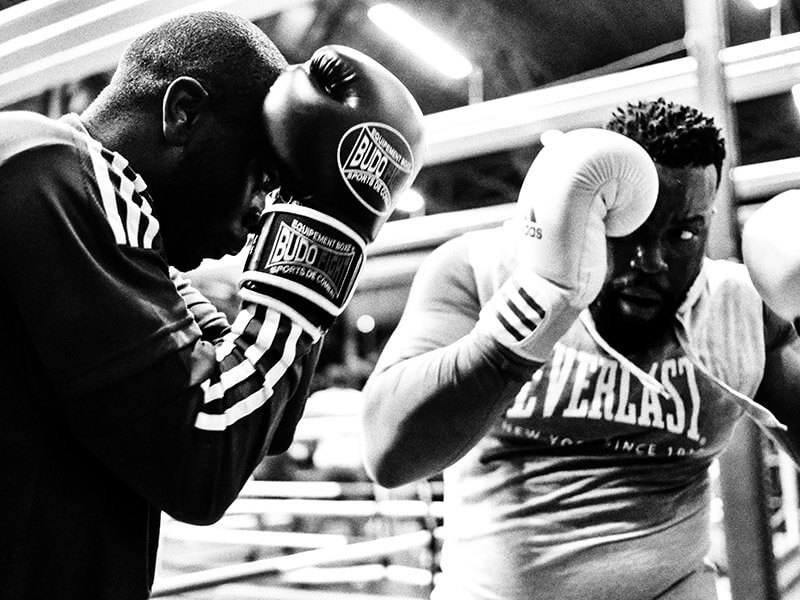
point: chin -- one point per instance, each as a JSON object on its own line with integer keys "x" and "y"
{"x": 631, "y": 328}
{"x": 634, "y": 316}
{"x": 644, "y": 325}
{"x": 184, "y": 263}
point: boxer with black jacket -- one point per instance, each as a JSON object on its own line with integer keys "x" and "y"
{"x": 126, "y": 393}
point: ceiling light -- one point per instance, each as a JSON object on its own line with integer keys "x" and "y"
{"x": 796, "y": 95}
{"x": 550, "y": 135}
{"x": 365, "y": 323}
{"x": 762, "y": 4}
{"x": 420, "y": 40}
{"x": 411, "y": 202}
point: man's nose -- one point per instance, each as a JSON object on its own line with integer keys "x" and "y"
{"x": 252, "y": 215}
{"x": 649, "y": 258}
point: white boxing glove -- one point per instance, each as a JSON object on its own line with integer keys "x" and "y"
{"x": 771, "y": 253}
{"x": 583, "y": 186}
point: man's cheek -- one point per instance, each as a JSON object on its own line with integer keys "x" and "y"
{"x": 616, "y": 264}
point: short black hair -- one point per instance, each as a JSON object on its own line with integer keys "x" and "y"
{"x": 231, "y": 57}
{"x": 674, "y": 135}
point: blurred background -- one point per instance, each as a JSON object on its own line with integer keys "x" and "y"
{"x": 493, "y": 78}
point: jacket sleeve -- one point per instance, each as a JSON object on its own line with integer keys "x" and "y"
{"x": 438, "y": 386}
{"x": 205, "y": 415}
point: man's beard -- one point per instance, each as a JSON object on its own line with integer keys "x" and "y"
{"x": 627, "y": 333}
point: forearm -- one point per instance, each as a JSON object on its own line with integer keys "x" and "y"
{"x": 424, "y": 413}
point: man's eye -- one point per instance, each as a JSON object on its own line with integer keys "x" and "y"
{"x": 268, "y": 183}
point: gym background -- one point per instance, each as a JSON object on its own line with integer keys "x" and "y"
{"x": 310, "y": 525}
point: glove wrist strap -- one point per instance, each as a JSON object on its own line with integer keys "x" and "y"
{"x": 528, "y": 315}
{"x": 308, "y": 254}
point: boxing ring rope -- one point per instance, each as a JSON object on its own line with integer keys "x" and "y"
{"x": 306, "y": 489}
{"x": 252, "y": 538}
{"x": 355, "y": 551}
{"x": 366, "y": 509}
{"x": 250, "y": 592}
{"x": 245, "y": 591}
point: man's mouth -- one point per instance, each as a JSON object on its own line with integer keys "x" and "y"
{"x": 640, "y": 301}
{"x": 641, "y": 295}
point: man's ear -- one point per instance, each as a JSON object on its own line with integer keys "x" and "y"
{"x": 184, "y": 100}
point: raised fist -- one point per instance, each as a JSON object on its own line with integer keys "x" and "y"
{"x": 347, "y": 137}
{"x": 585, "y": 185}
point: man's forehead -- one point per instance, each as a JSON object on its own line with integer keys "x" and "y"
{"x": 687, "y": 192}
{"x": 695, "y": 206}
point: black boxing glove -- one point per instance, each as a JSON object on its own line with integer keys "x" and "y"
{"x": 347, "y": 136}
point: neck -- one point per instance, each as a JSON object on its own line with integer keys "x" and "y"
{"x": 112, "y": 132}
{"x": 130, "y": 135}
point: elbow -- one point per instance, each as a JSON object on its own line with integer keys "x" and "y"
{"x": 197, "y": 513}
{"x": 387, "y": 468}
{"x": 201, "y": 503}
{"x": 385, "y": 477}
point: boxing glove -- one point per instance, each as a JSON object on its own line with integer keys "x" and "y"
{"x": 347, "y": 138}
{"x": 771, "y": 253}
{"x": 583, "y": 186}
